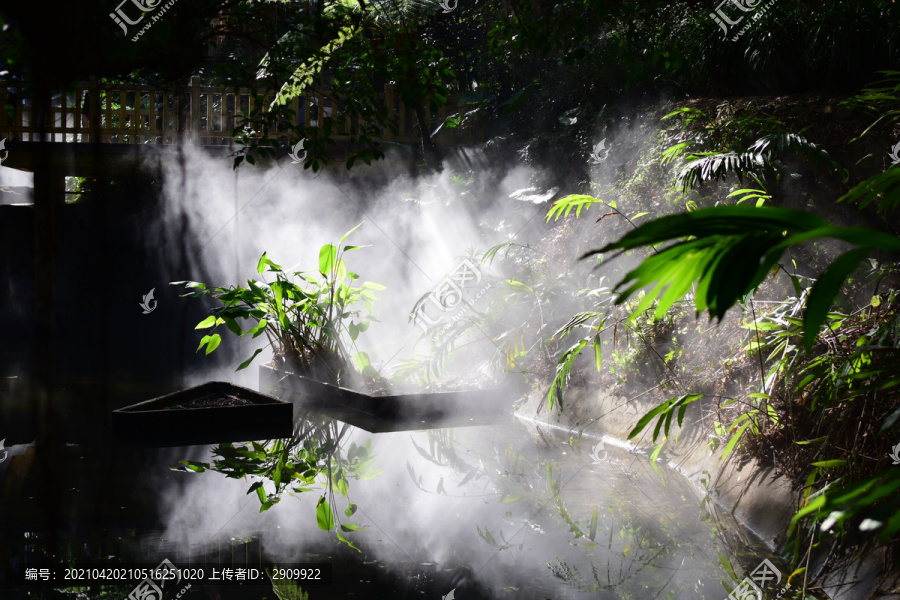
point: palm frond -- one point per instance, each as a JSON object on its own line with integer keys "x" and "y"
{"x": 883, "y": 188}
{"x": 882, "y": 97}
{"x": 760, "y": 159}
{"x": 728, "y": 250}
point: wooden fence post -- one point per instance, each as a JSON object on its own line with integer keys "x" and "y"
{"x": 195, "y": 110}
{"x": 94, "y": 109}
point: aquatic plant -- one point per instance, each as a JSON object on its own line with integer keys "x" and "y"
{"x": 307, "y": 316}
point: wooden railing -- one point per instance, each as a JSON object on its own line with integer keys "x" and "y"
{"x": 193, "y": 114}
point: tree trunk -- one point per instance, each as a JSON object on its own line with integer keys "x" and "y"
{"x": 432, "y": 154}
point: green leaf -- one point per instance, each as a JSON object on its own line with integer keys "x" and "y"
{"x": 324, "y": 518}
{"x": 261, "y": 264}
{"x": 598, "y": 352}
{"x": 889, "y": 422}
{"x": 350, "y": 510}
{"x": 649, "y": 417}
{"x": 327, "y": 256}
{"x": 346, "y": 541}
{"x": 258, "y": 330}
{"x": 734, "y": 440}
{"x": 346, "y": 235}
{"x": 206, "y": 323}
{"x": 196, "y": 467}
{"x": 269, "y": 504}
{"x": 827, "y": 464}
{"x": 892, "y": 528}
{"x": 824, "y": 291}
{"x": 211, "y": 342}
{"x": 563, "y": 368}
{"x": 247, "y": 362}
{"x": 233, "y": 326}
{"x": 214, "y": 341}
{"x": 813, "y": 441}
{"x": 361, "y": 360}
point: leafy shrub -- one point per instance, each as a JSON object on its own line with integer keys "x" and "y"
{"x": 306, "y": 315}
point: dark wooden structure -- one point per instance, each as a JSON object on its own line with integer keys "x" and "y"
{"x": 188, "y": 114}
{"x": 395, "y": 412}
{"x": 154, "y": 423}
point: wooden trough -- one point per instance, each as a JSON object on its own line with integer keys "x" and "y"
{"x": 377, "y": 414}
{"x": 170, "y": 421}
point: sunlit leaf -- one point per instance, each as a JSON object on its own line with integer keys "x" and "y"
{"x": 324, "y": 518}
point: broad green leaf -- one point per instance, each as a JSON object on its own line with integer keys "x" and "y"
{"x": 361, "y": 360}
{"x": 233, "y": 326}
{"x": 324, "y": 518}
{"x": 206, "y": 323}
{"x": 258, "y": 330}
{"x": 327, "y": 256}
{"x": 213, "y": 342}
{"x": 261, "y": 264}
{"x": 824, "y": 291}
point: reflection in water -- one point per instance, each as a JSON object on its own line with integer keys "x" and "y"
{"x": 314, "y": 455}
{"x": 485, "y": 512}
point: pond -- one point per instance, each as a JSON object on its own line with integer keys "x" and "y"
{"x": 505, "y": 510}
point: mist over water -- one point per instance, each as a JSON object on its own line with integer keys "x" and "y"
{"x": 478, "y": 503}
{"x": 426, "y": 508}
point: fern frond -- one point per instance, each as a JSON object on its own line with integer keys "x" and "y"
{"x": 761, "y": 158}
